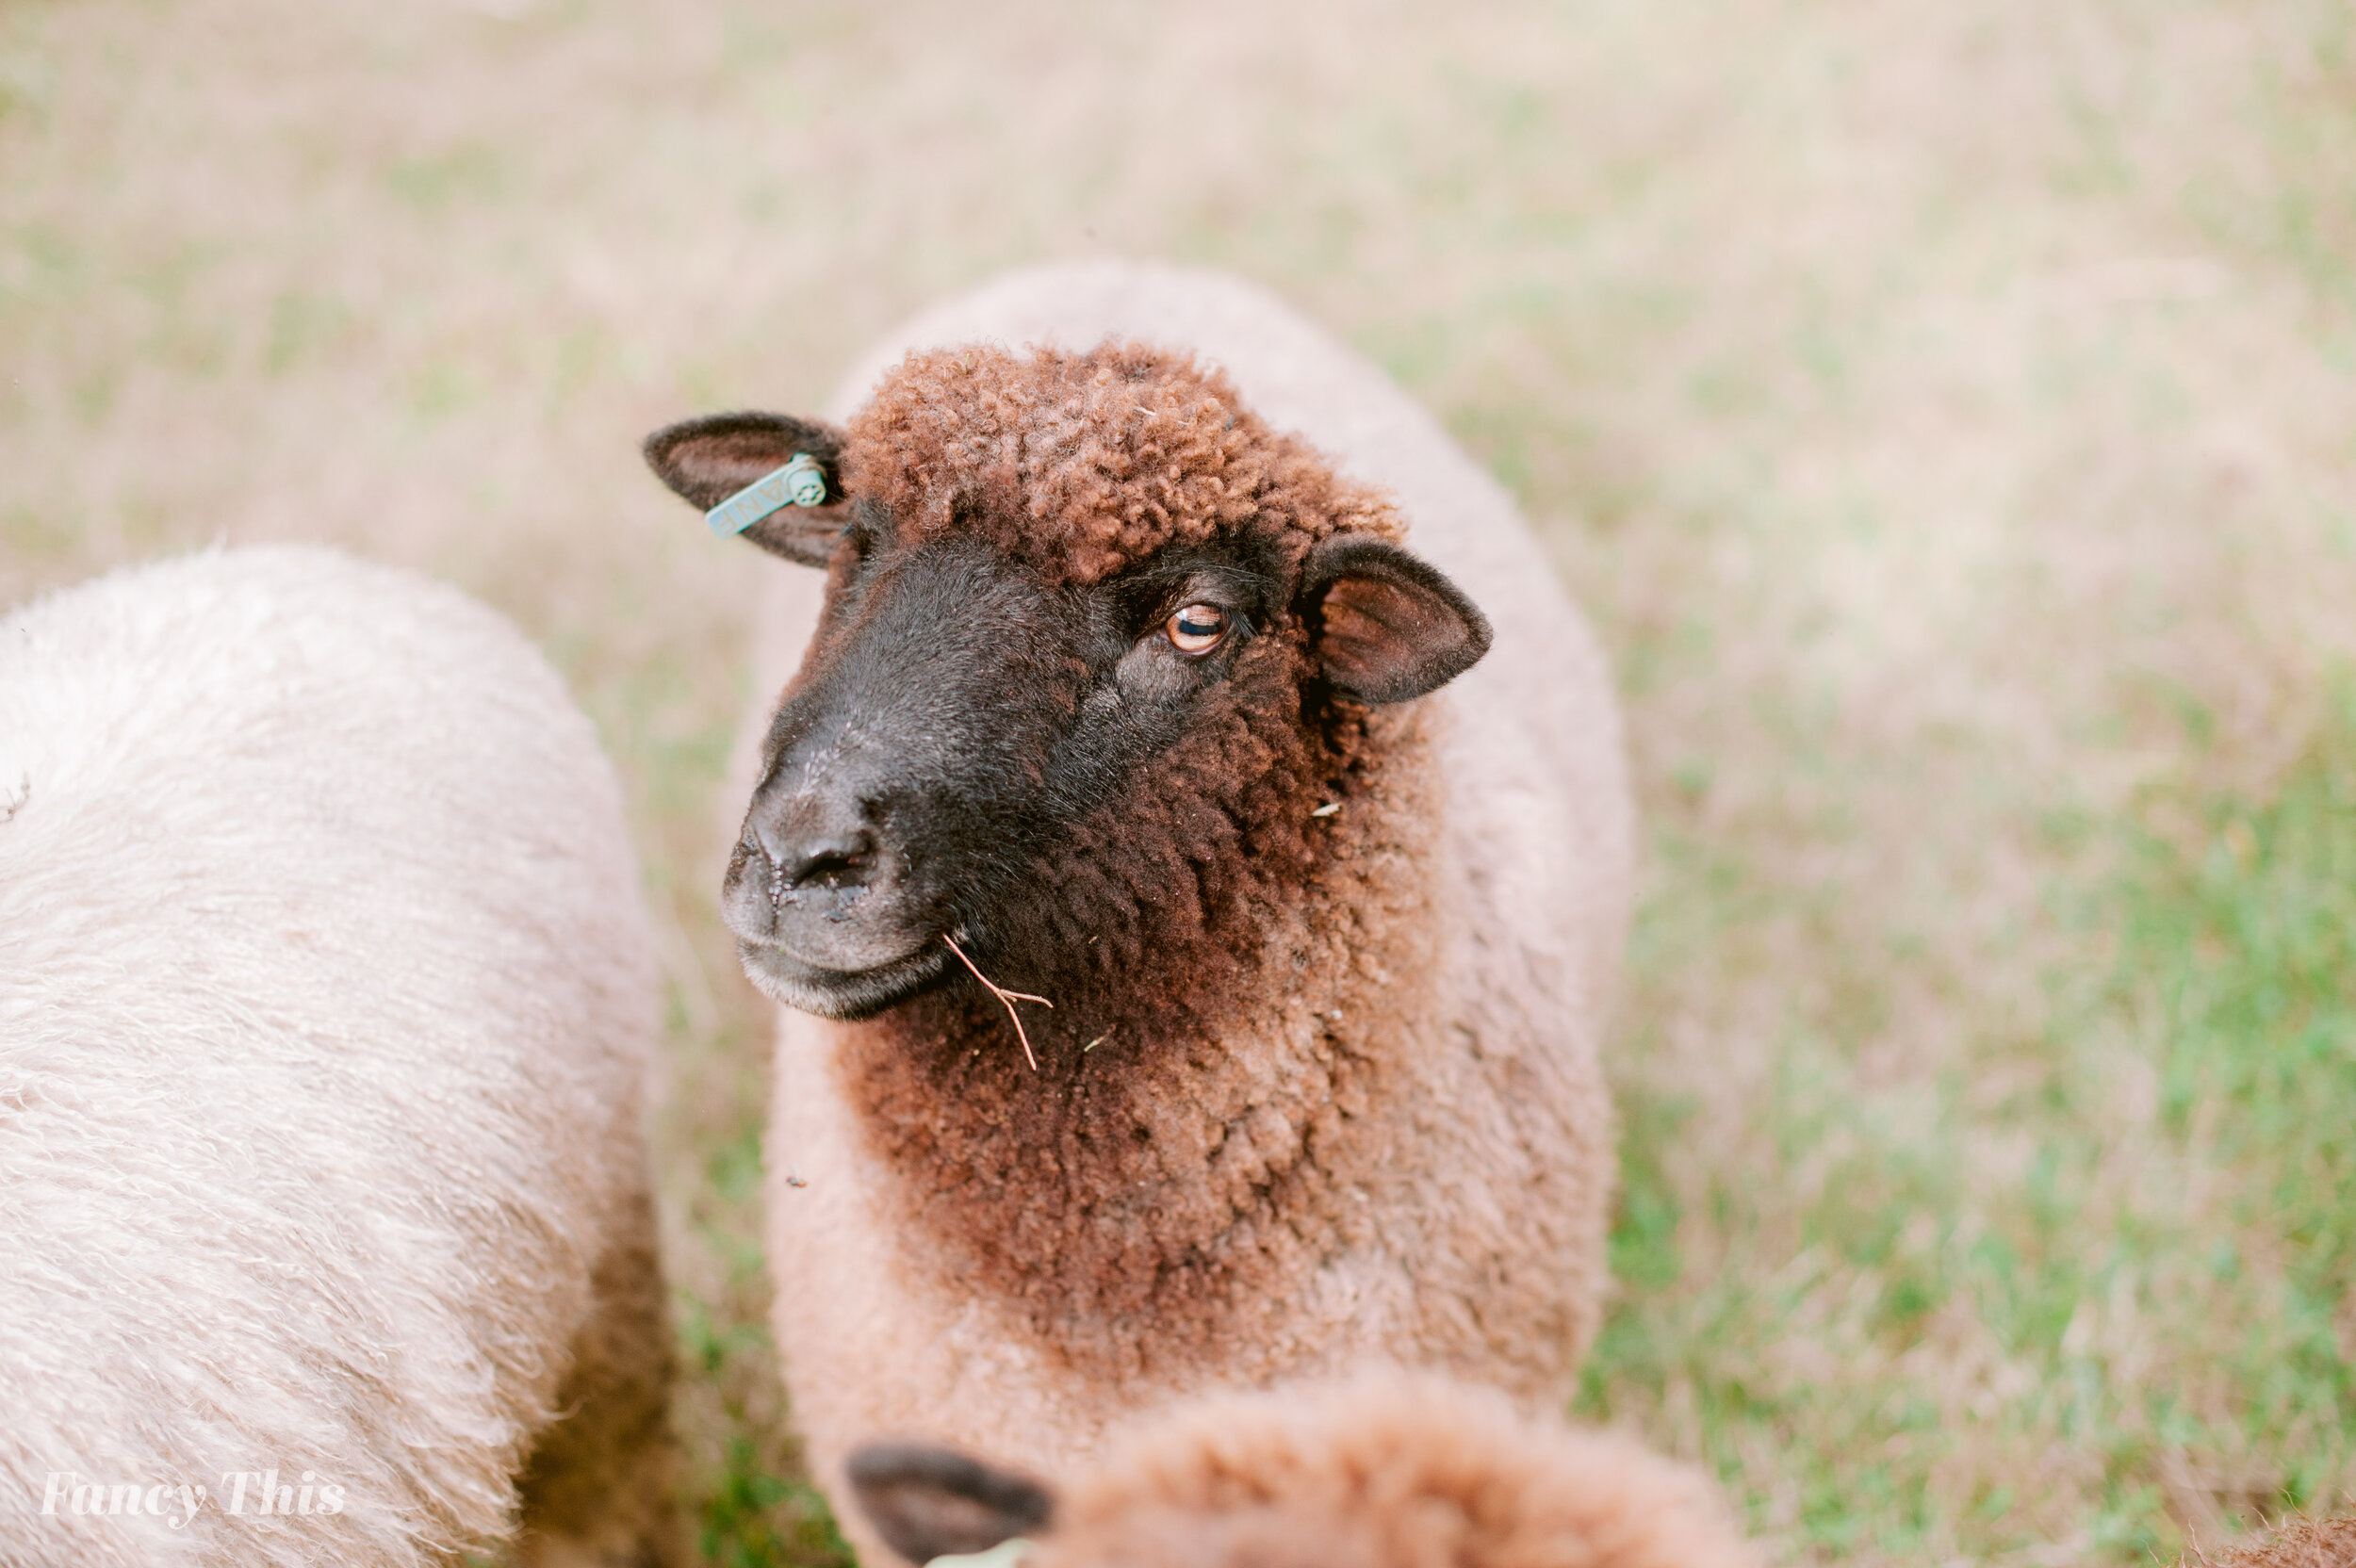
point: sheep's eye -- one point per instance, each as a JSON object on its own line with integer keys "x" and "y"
{"x": 1197, "y": 628}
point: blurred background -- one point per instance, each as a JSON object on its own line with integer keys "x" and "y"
{"x": 1946, "y": 413}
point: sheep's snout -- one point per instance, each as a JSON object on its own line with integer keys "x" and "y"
{"x": 824, "y": 906}
{"x": 911, "y": 771}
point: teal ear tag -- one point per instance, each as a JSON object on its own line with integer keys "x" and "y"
{"x": 800, "y": 483}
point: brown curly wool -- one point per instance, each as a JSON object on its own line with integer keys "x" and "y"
{"x": 1079, "y": 464}
{"x": 1143, "y": 1229}
{"x": 2308, "y": 1544}
{"x": 1385, "y": 1471}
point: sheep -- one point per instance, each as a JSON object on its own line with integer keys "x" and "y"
{"x": 2303, "y": 1543}
{"x": 1111, "y": 699}
{"x": 325, "y": 1002}
{"x": 1380, "y": 1471}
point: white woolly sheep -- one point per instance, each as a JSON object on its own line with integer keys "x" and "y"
{"x": 1110, "y": 697}
{"x": 1382, "y": 1471}
{"x": 325, "y": 1003}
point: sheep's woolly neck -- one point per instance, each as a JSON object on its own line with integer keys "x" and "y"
{"x": 1193, "y": 1143}
{"x": 1081, "y": 464}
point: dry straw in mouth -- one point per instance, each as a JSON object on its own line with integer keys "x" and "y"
{"x": 1006, "y": 999}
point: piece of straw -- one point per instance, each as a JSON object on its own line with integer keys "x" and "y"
{"x": 1006, "y": 999}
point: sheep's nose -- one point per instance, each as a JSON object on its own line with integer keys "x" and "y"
{"x": 831, "y": 855}
{"x": 837, "y": 862}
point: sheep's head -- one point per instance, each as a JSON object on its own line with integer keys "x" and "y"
{"x": 1388, "y": 1469}
{"x": 1081, "y": 610}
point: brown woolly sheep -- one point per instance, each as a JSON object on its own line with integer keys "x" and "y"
{"x": 1110, "y": 697}
{"x": 1384, "y": 1471}
{"x": 2308, "y": 1544}
{"x": 325, "y": 1003}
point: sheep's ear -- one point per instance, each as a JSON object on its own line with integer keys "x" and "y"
{"x": 927, "y": 1501}
{"x": 1384, "y": 625}
{"x": 708, "y": 460}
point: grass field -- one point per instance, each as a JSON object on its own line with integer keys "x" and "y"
{"x": 1947, "y": 413}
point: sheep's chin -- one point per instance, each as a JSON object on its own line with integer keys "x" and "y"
{"x": 848, "y": 994}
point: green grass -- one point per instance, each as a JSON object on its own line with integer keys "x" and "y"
{"x": 2181, "y": 1172}
{"x": 751, "y": 1515}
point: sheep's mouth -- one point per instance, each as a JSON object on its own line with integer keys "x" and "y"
{"x": 841, "y": 993}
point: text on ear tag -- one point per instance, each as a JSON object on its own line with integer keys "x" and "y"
{"x": 800, "y": 483}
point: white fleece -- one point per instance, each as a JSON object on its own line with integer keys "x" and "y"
{"x": 325, "y": 1003}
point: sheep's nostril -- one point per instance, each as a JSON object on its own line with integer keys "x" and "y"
{"x": 847, "y": 861}
{"x": 833, "y": 871}
{"x": 811, "y": 843}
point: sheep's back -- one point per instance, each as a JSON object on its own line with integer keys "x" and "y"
{"x": 323, "y": 1000}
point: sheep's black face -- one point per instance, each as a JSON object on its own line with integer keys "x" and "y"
{"x": 960, "y": 718}
{"x": 955, "y": 712}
